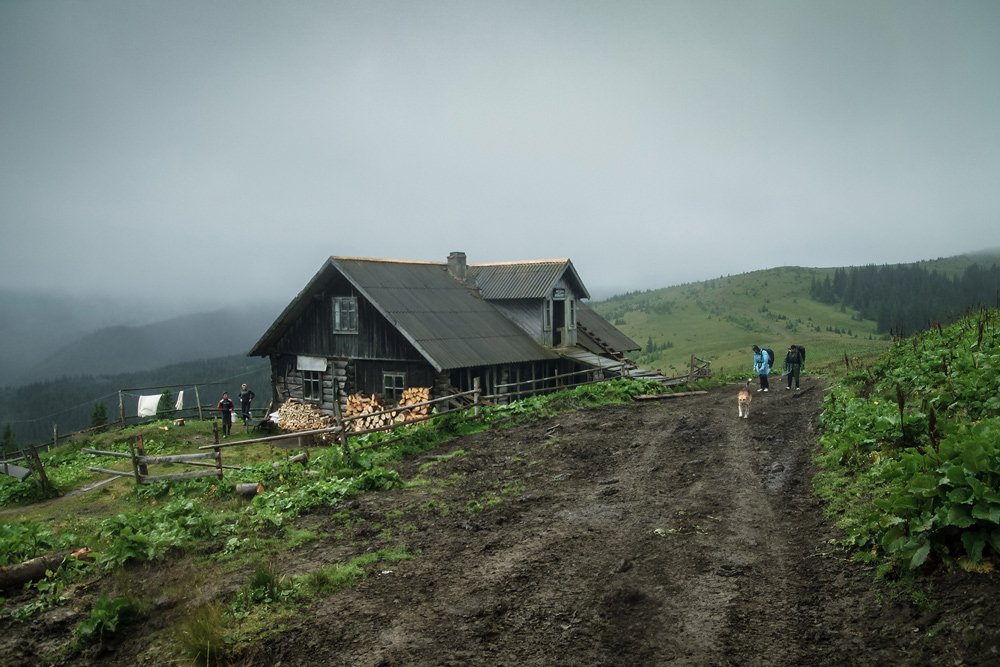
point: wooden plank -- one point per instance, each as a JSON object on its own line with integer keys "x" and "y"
{"x": 101, "y": 452}
{"x": 175, "y": 458}
{"x": 117, "y": 473}
{"x": 146, "y": 479}
{"x": 15, "y": 471}
{"x": 679, "y": 394}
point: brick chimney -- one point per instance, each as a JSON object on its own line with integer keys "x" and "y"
{"x": 456, "y": 266}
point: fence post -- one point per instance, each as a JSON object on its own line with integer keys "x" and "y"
{"x": 215, "y": 430}
{"x": 121, "y": 407}
{"x": 135, "y": 462}
{"x": 197, "y": 399}
{"x": 34, "y": 462}
{"x": 140, "y": 449}
{"x": 475, "y": 396}
{"x": 345, "y": 449}
{"x": 218, "y": 462}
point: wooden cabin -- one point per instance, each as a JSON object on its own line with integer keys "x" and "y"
{"x": 377, "y": 326}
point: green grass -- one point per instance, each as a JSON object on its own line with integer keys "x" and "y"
{"x": 720, "y": 319}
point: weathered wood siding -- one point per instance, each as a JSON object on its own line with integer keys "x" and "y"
{"x": 368, "y": 375}
{"x": 312, "y": 332}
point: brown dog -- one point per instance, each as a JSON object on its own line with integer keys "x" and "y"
{"x": 743, "y": 401}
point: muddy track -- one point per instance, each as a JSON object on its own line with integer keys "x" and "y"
{"x": 662, "y": 532}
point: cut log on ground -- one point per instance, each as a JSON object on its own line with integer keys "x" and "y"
{"x": 15, "y": 576}
{"x": 250, "y": 489}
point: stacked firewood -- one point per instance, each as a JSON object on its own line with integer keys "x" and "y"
{"x": 413, "y": 396}
{"x": 294, "y": 415}
{"x": 361, "y": 405}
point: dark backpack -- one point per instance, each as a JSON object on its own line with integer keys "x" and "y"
{"x": 770, "y": 357}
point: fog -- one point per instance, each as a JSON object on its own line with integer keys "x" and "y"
{"x": 204, "y": 153}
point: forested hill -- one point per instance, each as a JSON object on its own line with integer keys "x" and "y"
{"x": 907, "y": 298}
{"x": 31, "y": 410}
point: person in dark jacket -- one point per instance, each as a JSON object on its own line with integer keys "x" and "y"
{"x": 793, "y": 366}
{"x": 246, "y": 397}
{"x": 761, "y": 366}
{"x": 225, "y": 408}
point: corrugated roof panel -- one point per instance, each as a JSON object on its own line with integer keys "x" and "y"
{"x": 447, "y": 320}
{"x": 453, "y": 325}
{"x": 601, "y": 328}
{"x": 528, "y": 280}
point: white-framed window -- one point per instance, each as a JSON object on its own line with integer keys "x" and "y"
{"x": 393, "y": 385}
{"x": 345, "y": 314}
{"x": 312, "y": 386}
{"x": 572, "y": 313}
{"x": 547, "y": 317}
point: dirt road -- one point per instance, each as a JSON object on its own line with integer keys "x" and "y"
{"x": 657, "y": 533}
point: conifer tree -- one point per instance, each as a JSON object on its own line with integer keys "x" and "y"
{"x": 8, "y": 445}
{"x": 99, "y": 417}
{"x": 165, "y": 408}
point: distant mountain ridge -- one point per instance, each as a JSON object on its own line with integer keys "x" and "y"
{"x": 43, "y": 337}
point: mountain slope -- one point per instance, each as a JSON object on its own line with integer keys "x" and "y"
{"x": 720, "y": 319}
{"x": 122, "y": 349}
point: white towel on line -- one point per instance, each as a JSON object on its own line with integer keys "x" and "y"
{"x": 147, "y": 405}
{"x": 180, "y": 400}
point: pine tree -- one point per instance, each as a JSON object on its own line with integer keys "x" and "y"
{"x": 165, "y": 408}
{"x": 99, "y": 417}
{"x": 8, "y": 445}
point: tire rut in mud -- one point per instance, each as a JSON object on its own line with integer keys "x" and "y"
{"x": 662, "y": 532}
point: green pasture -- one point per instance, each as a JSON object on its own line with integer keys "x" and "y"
{"x": 720, "y": 319}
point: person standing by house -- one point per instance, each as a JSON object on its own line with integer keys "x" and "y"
{"x": 246, "y": 397}
{"x": 793, "y": 366}
{"x": 761, "y": 366}
{"x": 225, "y": 408}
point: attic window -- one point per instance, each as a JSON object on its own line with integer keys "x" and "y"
{"x": 345, "y": 314}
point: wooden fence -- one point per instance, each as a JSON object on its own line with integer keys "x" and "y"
{"x": 141, "y": 463}
{"x": 341, "y": 431}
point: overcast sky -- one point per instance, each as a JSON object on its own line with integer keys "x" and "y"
{"x": 653, "y": 143}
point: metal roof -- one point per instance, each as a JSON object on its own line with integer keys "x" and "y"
{"x": 525, "y": 280}
{"x": 593, "y": 326}
{"x": 446, "y": 321}
{"x": 451, "y": 324}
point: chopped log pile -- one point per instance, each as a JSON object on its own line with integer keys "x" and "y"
{"x": 294, "y": 415}
{"x": 361, "y": 405}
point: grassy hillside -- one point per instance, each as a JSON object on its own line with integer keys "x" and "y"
{"x": 720, "y": 319}
{"x": 911, "y": 449}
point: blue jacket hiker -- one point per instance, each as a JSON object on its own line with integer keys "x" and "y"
{"x": 761, "y": 366}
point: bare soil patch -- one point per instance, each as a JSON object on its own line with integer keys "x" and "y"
{"x": 656, "y": 533}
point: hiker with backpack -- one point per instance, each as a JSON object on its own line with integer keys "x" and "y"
{"x": 795, "y": 361}
{"x": 762, "y": 362}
